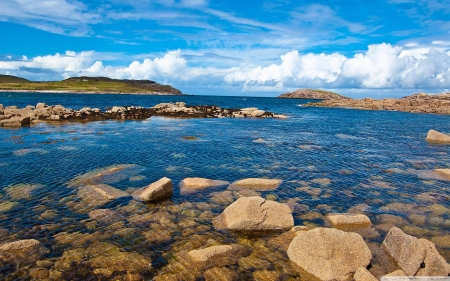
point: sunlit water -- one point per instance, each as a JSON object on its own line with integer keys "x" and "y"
{"x": 330, "y": 160}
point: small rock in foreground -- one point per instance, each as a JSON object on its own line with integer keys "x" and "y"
{"x": 161, "y": 189}
{"x": 437, "y": 137}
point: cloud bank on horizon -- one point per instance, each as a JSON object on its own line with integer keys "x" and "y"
{"x": 377, "y": 48}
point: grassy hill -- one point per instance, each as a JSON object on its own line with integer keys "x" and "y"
{"x": 86, "y": 84}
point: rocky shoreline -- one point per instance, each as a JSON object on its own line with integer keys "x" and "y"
{"x": 12, "y": 116}
{"x": 92, "y": 92}
{"x": 417, "y": 103}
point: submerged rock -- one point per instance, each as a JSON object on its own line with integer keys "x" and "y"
{"x": 256, "y": 184}
{"x": 249, "y": 214}
{"x": 437, "y": 137}
{"x": 106, "y": 216}
{"x": 329, "y": 254}
{"x": 161, "y": 189}
{"x": 22, "y": 191}
{"x": 216, "y": 255}
{"x": 189, "y": 185}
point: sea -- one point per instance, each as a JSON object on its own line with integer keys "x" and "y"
{"x": 330, "y": 160}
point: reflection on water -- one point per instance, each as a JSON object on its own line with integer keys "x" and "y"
{"x": 330, "y": 160}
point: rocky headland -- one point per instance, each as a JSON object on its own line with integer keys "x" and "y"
{"x": 311, "y": 94}
{"x": 417, "y": 103}
{"x": 12, "y": 116}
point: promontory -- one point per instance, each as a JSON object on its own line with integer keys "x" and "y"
{"x": 311, "y": 94}
{"x": 86, "y": 85}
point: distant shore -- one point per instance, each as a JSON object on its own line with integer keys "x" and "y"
{"x": 88, "y": 92}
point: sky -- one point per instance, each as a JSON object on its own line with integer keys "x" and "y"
{"x": 378, "y": 48}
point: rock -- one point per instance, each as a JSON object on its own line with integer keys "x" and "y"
{"x": 266, "y": 275}
{"x": 189, "y": 185}
{"x": 434, "y": 263}
{"x": 329, "y": 254}
{"x": 27, "y": 244}
{"x": 157, "y": 236}
{"x": 39, "y": 273}
{"x": 161, "y": 189}
{"x": 216, "y": 255}
{"x": 398, "y": 272}
{"x": 96, "y": 195}
{"x": 362, "y": 274}
{"x": 220, "y": 274}
{"x": 249, "y": 214}
{"x": 6, "y": 206}
{"x": 106, "y": 216}
{"x": 258, "y": 113}
{"x": 391, "y": 219}
{"x": 1, "y": 106}
{"x": 40, "y": 105}
{"x": 22, "y": 191}
{"x": 444, "y": 172}
{"x": 348, "y": 220}
{"x": 311, "y": 94}
{"x": 110, "y": 174}
{"x": 15, "y": 122}
{"x": 437, "y": 137}
{"x": 406, "y": 250}
{"x": 256, "y": 184}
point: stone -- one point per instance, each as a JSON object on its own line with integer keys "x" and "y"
{"x": 391, "y": 219}
{"x": 157, "y": 236}
{"x": 444, "y": 172}
{"x": 216, "y": 255}
{"x": 256, "y": 184}
{"x": 437, "y": 137}
{"x": 253, "y": 263}
{"x": 106, "y": 216}
{"x": 220, "y": 274}
{"x": 26, "y": 244}
{"x": 189, "y": 185}
{"x": 406, "y": 250}
{"x": 398, "y": 272}
{"x": 362, "y": 274}
{"x": 250, "y": 214}
{"x": 434, "y": 264}
{"x": 96, "y": 195}
{"x": 15, "y": 122}
{"x": 1, "y": 106}
{"x": 257, "y": 113}
{"x": 107, "y": 192}
{"x": 329, "y": 254}
{"x": 22, "y": 191}
{"x": 159, "y": 190}
{"x": 39, "y": 273}
{"x": 348, "y": 220}
{"x": 266, "y": 275}
{"x": 40, "y": 105}
{"x": 6, "y": 206}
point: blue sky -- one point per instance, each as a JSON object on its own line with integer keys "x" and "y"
{"x": 357, "y": 48}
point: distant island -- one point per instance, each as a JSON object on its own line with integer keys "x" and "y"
{"x": 311, "y": 94}
{"x": 85, "y": 84}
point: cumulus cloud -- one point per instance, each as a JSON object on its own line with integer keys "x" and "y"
{"x": 382, "y": 66}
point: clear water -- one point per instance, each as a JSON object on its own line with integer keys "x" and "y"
{"x": 353, "y": 157}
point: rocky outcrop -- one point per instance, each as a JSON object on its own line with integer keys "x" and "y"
{"x": 254, "y": 214}
{"x": 419, "y": 103}
{"x": 12, "y": 116}
{"x": 437, "y": 137}
{"x": 161, "y": 189}
{"x": 190, "y": 185}
{"x": 329, "y": 254}
{"x": 256, "y": 184}
{"x": 311, "y": 95}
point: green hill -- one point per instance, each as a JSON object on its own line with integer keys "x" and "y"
{"x": 85, "y": 84}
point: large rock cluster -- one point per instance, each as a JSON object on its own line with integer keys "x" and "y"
{"x": 12, "y": 116}
{"x": 419, "y": 103}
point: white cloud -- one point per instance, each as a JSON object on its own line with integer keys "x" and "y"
{"x": 382, "y": 66}
{"x": 57, "y": 16}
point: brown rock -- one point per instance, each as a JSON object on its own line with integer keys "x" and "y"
{"x": 220, "y": 274}
{"x": 106, "y": 216}
{"x": 434, "y": 263}
{"x": 255, "y": 214}
{"x": 348, "y": 220}
{"x": 329, "y": 254}
{"x": 216, "y": 255}
{"x": 266, "y": 275}
{"x": 437, "y": 137}
{"x": 444, "y": 172}
{"x": 311, "y": 94}
{"x": 398, "y": 272}
{"x": 362, "y": 274}
{"x": 39, "y": 273}
{"x": 406, "y": 250}
{"x": 189, "y": 185}
{"x": 256, "y": 184}
{"x": 161, "y": 189}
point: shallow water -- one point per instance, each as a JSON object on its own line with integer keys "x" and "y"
{"x": 330, "y": 160}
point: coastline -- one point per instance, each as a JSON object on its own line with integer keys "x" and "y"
{"x": 89, "y": 92}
